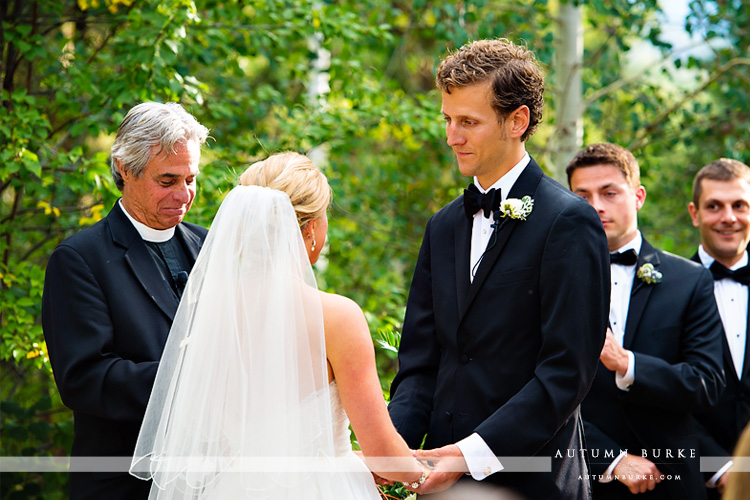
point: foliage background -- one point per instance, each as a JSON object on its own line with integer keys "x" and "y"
{"x": 246, "y": 69}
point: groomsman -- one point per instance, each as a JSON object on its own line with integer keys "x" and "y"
{"x": 721, "y": 211}
{"x": 662, "y": 356}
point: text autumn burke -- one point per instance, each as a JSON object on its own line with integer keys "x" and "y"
{"x": 650, "y": 453}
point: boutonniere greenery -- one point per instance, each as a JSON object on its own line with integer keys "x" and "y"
{"x": 517, "y": 209}
{"x": 648, "y": 274}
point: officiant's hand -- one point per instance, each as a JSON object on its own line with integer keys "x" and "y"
{"x": 449, "y": 463}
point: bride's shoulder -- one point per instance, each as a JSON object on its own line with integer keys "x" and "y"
{"x": 341, "y": 313}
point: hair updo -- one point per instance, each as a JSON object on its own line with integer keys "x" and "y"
{"x": 297, "y": 176}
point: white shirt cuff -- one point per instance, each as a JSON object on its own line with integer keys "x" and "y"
{"x": 624, "y": 382}
{"x": 711, "y": 483}
{"x": 607, "y": 477}
{"x": 480, "y": 459}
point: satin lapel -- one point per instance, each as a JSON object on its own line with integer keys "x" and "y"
{"x": 503, "y": 233}
{"x": 462, "y": 245}
{"x": 746, "y": 364}
{"x": 639, "y": 293}
{"x": 140, "y": 262}
{"x": 525, "y": 185}
{"x": 151, "y": 278}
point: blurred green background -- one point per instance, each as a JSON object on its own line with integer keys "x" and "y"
{"x": 352, "y": 83}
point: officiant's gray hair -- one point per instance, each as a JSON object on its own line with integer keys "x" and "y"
{"x": 297, "y": 176}
{"x": 149, "y": 129}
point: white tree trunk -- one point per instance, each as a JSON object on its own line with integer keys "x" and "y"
{"x": 568, "y": 135}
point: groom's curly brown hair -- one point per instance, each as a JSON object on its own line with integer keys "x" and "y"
{"x": 513, "y": 70}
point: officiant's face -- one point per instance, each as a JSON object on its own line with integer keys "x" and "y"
{"x": 476, "y": 134}
{"x": 163, "y": 193}
{"x": 615, "y": 200}
{"x": 723, "y": 217}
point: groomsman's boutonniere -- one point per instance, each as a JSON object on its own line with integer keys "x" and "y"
{"x": 648, "y": 274}
{"x": 517, "y": 209}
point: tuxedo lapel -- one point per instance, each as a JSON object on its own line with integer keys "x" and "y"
{"x": 489, "y": 258}
{"x": 525, "y": 185}
{"x": 640, "y": 292}
{"x": 746, "y": 365}
{"x": 462, "y": 260}
{"x": 141, "y": 263}
{"x": 191, "y": 240}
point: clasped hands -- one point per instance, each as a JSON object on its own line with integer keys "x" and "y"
{"x": 444, "y": 467}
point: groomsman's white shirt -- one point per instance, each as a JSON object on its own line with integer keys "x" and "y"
{"x": 622, "y": 285}
{"x": 732, "y": 301}
{"x": 480, "y": 459}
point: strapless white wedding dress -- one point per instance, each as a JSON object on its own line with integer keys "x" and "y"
{"x": 346, "y": 476}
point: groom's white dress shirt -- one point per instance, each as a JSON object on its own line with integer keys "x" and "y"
{"x": 480, "y": 459}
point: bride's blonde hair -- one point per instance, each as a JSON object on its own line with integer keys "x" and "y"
{"x": 297, "y": 176}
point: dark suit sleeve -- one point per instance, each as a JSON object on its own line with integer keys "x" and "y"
{"x": 697, "y": 380}
{"x": 419, "y": 356}
{"x": 607, "y": 448}
{"x": 574, "y": 294}
{"x": 80, "y": 338}
{"x": 709, "y": 447}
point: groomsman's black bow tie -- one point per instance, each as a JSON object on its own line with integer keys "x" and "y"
{"x": 626, "y": 258}
{"x": 474, "y": 201}
{"x": 741, "y": 275}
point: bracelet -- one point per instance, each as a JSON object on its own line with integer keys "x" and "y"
{"x": 417, "y": 484}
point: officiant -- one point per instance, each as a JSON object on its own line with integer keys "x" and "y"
{"x": 111, "y": 292}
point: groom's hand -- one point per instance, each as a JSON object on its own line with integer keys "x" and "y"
{"x": 449, "y": 467}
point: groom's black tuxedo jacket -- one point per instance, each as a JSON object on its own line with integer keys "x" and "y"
{"x": 720, "y": 427}
{"x": 674, "y": 330}
{"x": 511, "y": 354}
{"x": 106, "y": 313}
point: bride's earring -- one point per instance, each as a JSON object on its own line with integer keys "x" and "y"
{"x": 312, "y": 249}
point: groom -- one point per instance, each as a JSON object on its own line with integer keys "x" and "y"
{"x": 508, "y": 307}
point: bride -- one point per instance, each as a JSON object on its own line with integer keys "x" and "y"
{"x": 262, "y": 372}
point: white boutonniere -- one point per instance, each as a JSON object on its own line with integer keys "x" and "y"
{"x": 648, "y": 274}
{"x": 517, "y": 209}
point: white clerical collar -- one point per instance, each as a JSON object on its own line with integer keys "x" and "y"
{"x": 506, "y": 182}
{"x": 148, "y": 233}
{"x": 707, "y": 260}
{"x": 635, "y": 244}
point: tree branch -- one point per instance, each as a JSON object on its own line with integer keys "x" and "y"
{"x": 646, "y": 131}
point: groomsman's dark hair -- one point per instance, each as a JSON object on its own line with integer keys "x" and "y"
{"x": 606, "y": 153}
{"x": 723, "y": 169}
{"x": 513, "y": 70}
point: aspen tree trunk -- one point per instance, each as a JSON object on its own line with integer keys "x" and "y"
{"x": 318, "y": 86}
{"x": 568, "y": 136}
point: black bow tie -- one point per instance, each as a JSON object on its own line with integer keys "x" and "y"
{"x": 626, "y": 258}
{"x": 474, "y": 201}
{"x": 741, "y": 275}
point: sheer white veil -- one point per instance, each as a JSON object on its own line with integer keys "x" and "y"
{"x": 242, "y": 387}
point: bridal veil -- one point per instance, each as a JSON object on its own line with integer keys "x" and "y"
{"x": 241, "y": 396}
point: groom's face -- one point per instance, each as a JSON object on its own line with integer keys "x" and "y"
{"x": 615, "y": 200}
{"x": 478, "y": 137}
